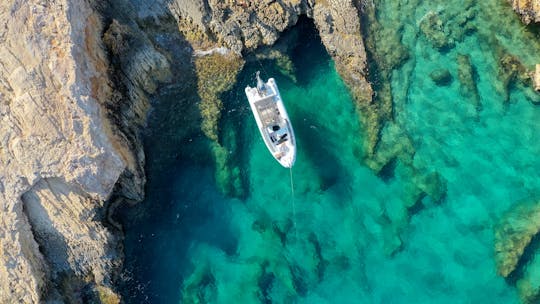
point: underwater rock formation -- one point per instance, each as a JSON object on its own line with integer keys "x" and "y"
{"x": 467, "y": 76}
{"x": 516, "y": 244}
{"x": 433, "y": 29}
{"x": 441, "y": 77}
{"x": 514, "y": 233}
{"x": 528, "y": 286}
{"x": 216, "y": 74}
{"x": 528, "y": 10}
{"x": 512, "y": 72}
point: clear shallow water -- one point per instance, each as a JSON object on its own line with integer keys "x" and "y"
{"x": 352, "y": 239}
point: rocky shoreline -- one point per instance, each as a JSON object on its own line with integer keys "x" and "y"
{"x": 77, "y": 81}
{"x": 76, "y": 85}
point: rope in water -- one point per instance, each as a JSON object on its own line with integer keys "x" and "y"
{"x": 293, "y": 204}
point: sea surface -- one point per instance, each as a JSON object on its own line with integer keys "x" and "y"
{"x": 347, "y": 234}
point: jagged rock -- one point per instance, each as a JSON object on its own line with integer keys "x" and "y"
{"x": 441, "y": 77}
{"x": 514, "y": 233}
{"x": 69, "y": 138}
{"x": 339, "y": 28}
{"x": 240, "y": 24}
{"x": 53, "y": 81}
{"x": 387, "y": 53}
{"x": 529, "y": 10}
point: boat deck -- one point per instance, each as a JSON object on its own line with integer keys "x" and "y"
{"x": 268, "y": 111}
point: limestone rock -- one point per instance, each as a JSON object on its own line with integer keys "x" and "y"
{"x": 529, "y": 10}
{"x": 67, "y": 140}
{"x": 240, "y": 24}
{"x": 339, "y": 27}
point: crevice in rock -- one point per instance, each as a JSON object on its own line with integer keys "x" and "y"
{"x": 66, "y": 224}
{"x": 524, "y": 260}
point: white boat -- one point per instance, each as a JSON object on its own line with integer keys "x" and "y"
{"x": 273, "y": 120}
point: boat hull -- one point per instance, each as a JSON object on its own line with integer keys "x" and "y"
{"x": 273, "y": 122}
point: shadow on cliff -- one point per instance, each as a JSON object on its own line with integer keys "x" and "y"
{"x": 176, "y": 211}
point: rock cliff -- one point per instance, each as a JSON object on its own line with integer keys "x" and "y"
{"x": 529, "y": 10}
{"x": 66, "y": 142}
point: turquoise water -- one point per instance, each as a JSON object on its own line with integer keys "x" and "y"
{"x": 352, "y": 236}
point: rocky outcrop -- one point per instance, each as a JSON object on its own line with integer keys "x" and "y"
{"x": 514, "y": 234}
{"x": 338, "y": 23}
{"x": 240, "y": 24}
{"x": 339, "y": 27}
{"x": 516, "y": 249}
{"x": 528, "y": 10}
{"x": 68, "y": 139}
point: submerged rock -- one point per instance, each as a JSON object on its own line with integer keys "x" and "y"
{"x": 387, "y": 53}
{"x": 528, "y": 286}
{"x": 441, "y": 77}
{"x": 467, "y": 77}
{"x": 216, "y": 73}
{"x": 513, "y": 234}
{"x": 433, "y": 29}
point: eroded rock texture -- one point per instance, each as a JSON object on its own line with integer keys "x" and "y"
{"x": 514, "y": 234}
{"x": 61, "y": 154}
{"x": 529, "y": 10}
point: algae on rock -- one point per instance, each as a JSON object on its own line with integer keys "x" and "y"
{"x": 467, "y": 76}
{"x": 514, "y": 233}
{"x": 216, "y": 73}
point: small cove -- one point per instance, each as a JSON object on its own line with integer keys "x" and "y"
{"x": 189, "y": 243}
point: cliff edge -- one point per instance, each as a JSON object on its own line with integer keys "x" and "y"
{"x": 60, "y": 154}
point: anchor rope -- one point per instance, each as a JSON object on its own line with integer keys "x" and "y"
{"x": 293, "y": 203}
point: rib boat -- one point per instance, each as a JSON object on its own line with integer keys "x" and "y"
{"x": 272, "y": 120}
